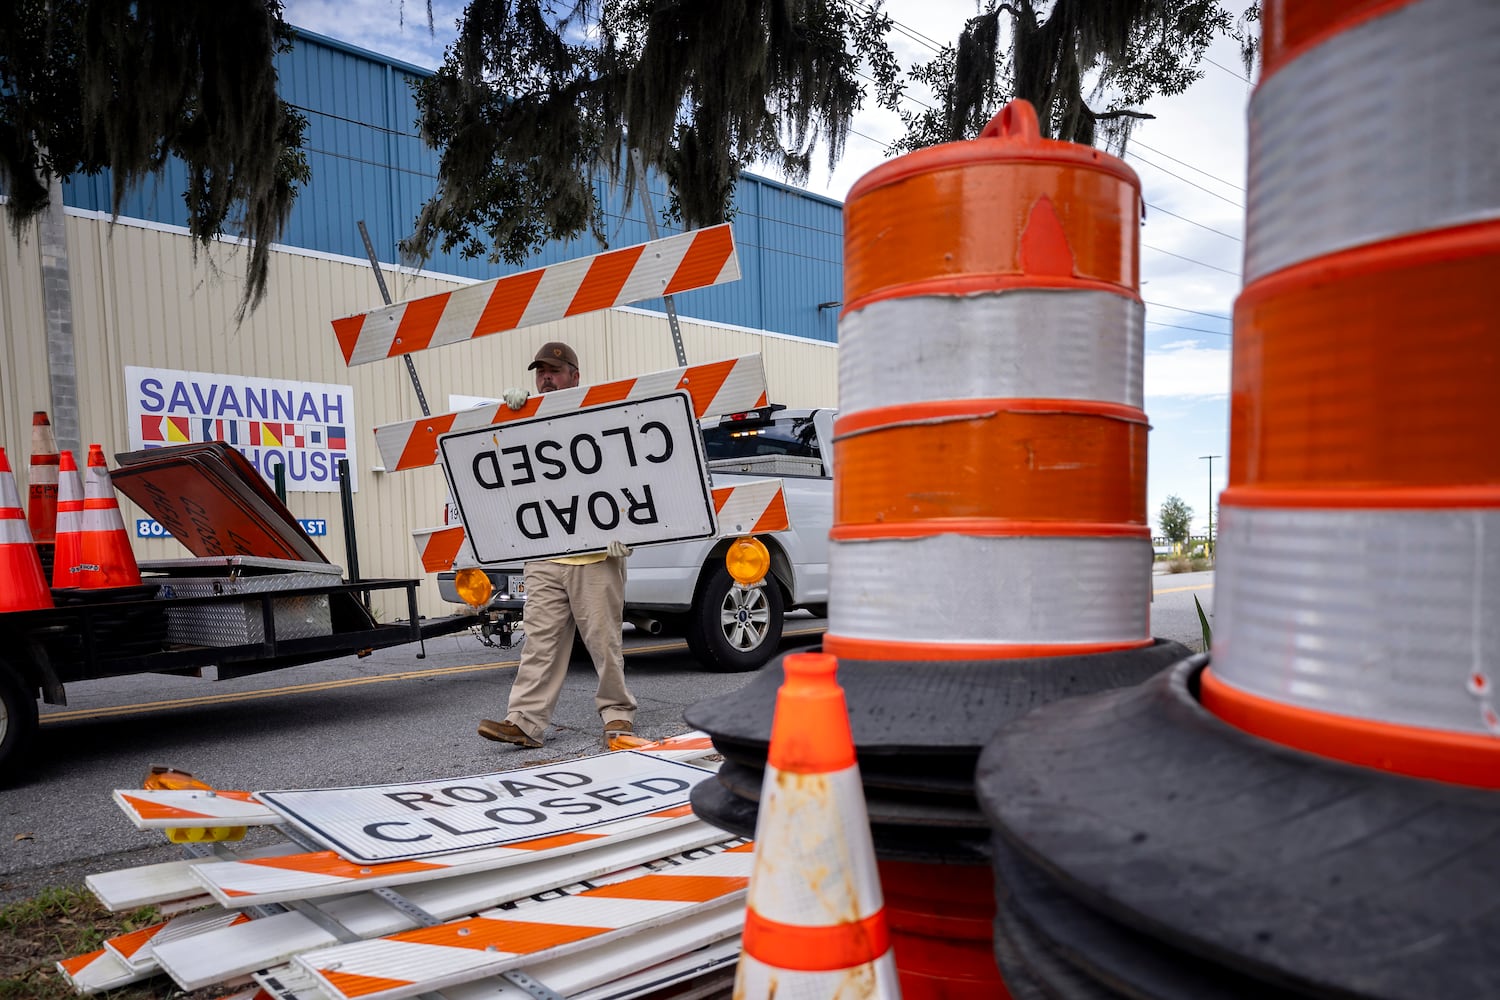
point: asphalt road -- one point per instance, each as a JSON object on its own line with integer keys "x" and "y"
{"x": 349, "y": 721}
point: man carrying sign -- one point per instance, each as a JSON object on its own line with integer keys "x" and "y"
{"x": 584, "y": 593}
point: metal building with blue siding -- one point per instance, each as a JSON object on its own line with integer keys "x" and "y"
{"x": 368, "y": 163}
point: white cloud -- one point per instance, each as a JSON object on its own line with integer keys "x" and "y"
{"x": 1188, "y": 368}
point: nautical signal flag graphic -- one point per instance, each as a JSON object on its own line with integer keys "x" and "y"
{"x": 162, "y": 430}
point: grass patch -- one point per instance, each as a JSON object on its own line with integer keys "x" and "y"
{"x": 60, "y": 923}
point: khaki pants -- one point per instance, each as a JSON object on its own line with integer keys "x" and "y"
{"x": 562, "y": 599}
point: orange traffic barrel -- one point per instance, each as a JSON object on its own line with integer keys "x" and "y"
{"x": 991, "y": 440}
{"x": 22, "y": 585}
{"x": 106, "y": 559}
{"x": 1366, "y": 363}
{"x": 41, "y": 506}
{"x": 1311, "y": 809}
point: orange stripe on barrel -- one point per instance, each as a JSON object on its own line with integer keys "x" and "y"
{"x": 941, "y": 225}
{"x": 1375, "y": 368}
{"x": 1291, "y": 27}
{"x": 1437, "y": 755}
{"x": 801, "y": 948}
{"x": 507, "y": 302}
{"x": 848, "y": 648}
{"x": 419, "y": 322}
{"x": 1034, "y": 461}
{"x": 608, "y": 273}
{"x": 704, "y": 261}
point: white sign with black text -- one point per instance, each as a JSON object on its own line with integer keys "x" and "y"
{"x": 373, "y": 824}
{"x": 536, "y": 489}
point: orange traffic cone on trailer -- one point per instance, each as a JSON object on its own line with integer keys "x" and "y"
{"x": 815, "y": 921}
{"x": 67, "y": 555}
{"x": 41, "y": 506}
{"x": 22, "y": 585}
{"x": 106, "y": 558}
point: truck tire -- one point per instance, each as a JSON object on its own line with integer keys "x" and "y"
{"x": 18, "y": 717}
{"x": 731, "y": 630}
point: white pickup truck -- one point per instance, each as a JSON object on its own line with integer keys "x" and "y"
{"x": 683, "y": 588}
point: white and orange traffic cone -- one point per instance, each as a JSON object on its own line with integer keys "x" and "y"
{"x": 22, "y": 585}
{"x": 67, "y": 553}
{"x": 815, "y": 921}
{"x": 41, "y": 505}
{"x": 106, "y": 559}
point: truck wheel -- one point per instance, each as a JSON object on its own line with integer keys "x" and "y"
{"x": 17, "y": 721}
{"x": 730, "y": 629}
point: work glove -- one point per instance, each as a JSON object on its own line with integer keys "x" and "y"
{"x": 516, "y": 398}
{"x": 618, "y": 550}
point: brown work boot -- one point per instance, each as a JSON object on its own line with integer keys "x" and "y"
{"x": 507, "y": 732}
{"x": 619, "y": 734}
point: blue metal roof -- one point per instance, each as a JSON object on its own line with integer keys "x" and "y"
{"x": 368, "y": 163}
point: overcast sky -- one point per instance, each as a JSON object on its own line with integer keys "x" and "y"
{"x": 1191, "y": 161}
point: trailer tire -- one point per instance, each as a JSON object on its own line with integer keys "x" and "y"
{"x": 18, "y": 721}
{"x": 730, "y": 630}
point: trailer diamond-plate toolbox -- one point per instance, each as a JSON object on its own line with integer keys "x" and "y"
{"x": 298, "y": 616}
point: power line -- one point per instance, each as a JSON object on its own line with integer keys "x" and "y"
{"x": 1190, "y": 222}
{"x": 1196, "y": 312}
{"x": 1200, "y": 187}
{"x": 1185, "y": 163}
{"x": 1194, "y": 329}
{"x": 1191, "y": 260}
{"x": 1234, "y": 73}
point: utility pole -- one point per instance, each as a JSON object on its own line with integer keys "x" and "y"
{"x": 1210, "y": 500}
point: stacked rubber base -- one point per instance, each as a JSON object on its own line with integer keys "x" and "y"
{"x": 1142, "y": 847}
{"x": 918, "y": 732}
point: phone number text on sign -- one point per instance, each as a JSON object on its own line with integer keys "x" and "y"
{"x": 552, "y": 486}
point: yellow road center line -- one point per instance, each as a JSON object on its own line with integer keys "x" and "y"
{"x": 315, "y": 686}
{"x": 1178, "y": 590}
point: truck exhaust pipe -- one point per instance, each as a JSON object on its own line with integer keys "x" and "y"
{"x": 648, "y": 625}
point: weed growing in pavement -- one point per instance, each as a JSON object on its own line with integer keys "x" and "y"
{"x": 60, "y": 923}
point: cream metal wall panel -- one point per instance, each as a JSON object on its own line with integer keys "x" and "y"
{"x": 141, "y": 298}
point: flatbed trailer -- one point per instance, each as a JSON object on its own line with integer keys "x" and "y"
{"x": 89, "y": 637}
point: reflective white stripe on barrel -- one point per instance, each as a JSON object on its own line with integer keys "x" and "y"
{"x": 992, "y": 589}
{"x": 1039, "y": 343}
{"x": 1383, "y": 615}
{"x": 1359, "y": 140}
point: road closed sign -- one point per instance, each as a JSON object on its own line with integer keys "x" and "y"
{"x": 536, "y": 489}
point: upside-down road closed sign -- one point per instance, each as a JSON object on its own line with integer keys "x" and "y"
{"x": 534, "y": 489}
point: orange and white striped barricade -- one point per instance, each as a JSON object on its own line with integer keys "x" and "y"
{"x": 751, "y": 508}
{"x": 98, "y": 971}
{"x": 67, "y": 551}
{"x": 187, "y": 808}
{"x": 225, "y": 953}
{"x": 41, "y": 505}
{"x": 137, "y": 949}
{"x": 715, "y": 388}
{"x": 106, "y": 559}
{"x": 815, "y": 920}
{"x": 22, "y": 585}
{"x": 1332, "y": 776}
{"x": 531, "y": 931}
{"x": 998, "y": 457}
{"x": 696, "y": 259}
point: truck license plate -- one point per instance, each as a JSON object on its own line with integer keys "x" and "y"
{"x": 516, "y": 584}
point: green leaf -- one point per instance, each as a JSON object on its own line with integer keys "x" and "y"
{"x": 1208, "y": 631}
